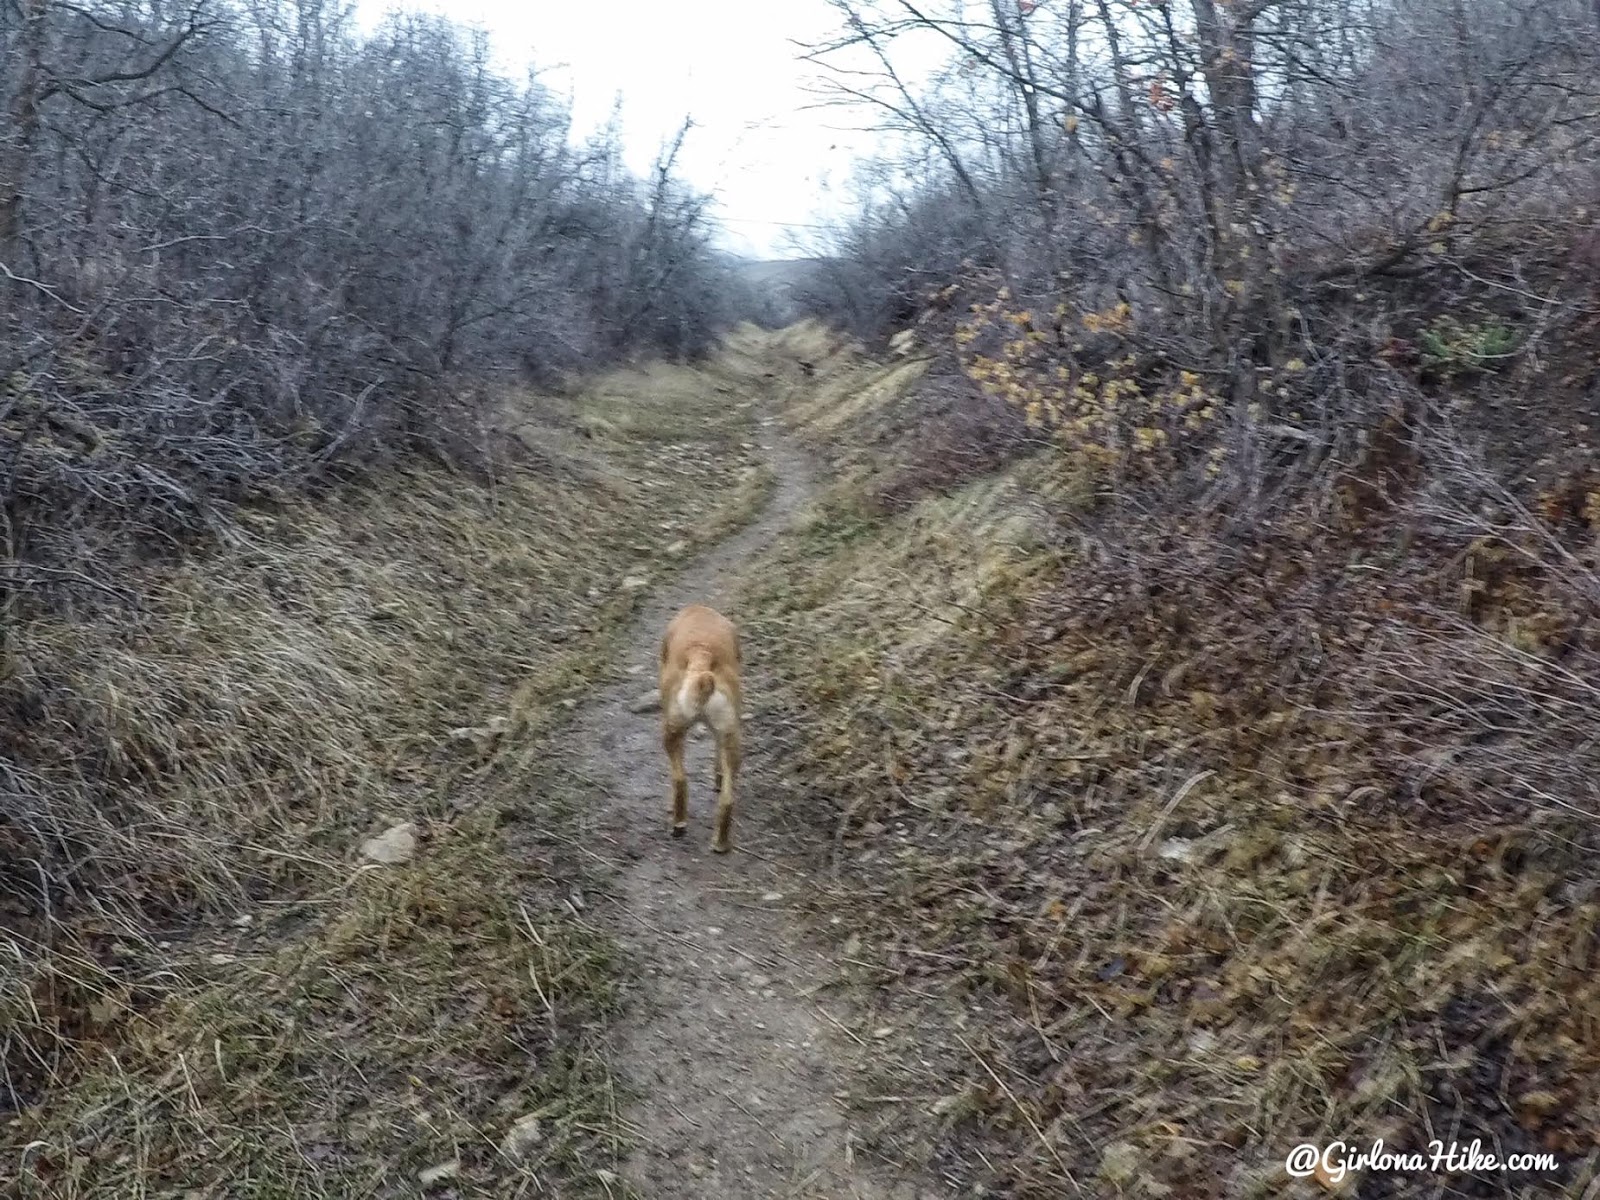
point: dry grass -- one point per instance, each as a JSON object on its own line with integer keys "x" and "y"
{"x": 205, "y": 992}
{"x": 1142, "y": 914}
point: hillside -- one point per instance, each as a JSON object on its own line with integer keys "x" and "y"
{"x": 232, "y": 990}
{"x": 1164, "y": 849}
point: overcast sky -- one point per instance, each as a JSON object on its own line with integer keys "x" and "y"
{"x": 774, "y": 165}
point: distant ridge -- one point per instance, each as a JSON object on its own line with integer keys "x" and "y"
{"x": 785, "y": 287}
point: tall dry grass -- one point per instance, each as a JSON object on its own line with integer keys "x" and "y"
{"x": 202, "y": 985}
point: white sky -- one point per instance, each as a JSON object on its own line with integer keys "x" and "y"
{"x": 773, "y": 165}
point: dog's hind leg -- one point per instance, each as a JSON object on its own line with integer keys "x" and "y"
{"x": 672, "y": 740}
{"x": 727, "y": 773}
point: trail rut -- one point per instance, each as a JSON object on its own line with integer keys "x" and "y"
{"x": 731, "y": 1042}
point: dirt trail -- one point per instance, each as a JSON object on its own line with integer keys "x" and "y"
{"x": 732, "y": 1043}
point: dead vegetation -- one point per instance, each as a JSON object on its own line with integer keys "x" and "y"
{"x": 1173, "y": 842}
{"x": 203, "y": 300}
{"x": 206, "y": 989}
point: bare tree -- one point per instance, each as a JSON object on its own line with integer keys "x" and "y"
{"x": 239, "y": 244}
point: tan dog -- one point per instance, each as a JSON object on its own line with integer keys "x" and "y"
{"x": 700, "y": 684}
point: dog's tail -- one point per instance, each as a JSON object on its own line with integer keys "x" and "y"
{"x": 701, "y": 685}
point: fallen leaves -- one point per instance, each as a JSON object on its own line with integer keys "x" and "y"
{"x": 1000, "y": 802}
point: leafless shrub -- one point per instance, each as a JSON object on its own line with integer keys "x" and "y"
{"x": 1492, "y": 676}
{"x": 1257, "y": 182}
{"x": 1244, "y": 257}
{"x": 241, "y": 246}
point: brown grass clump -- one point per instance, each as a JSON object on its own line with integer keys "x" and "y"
{"x": 1158, "y": 868}
{"x": 206, "y": 987}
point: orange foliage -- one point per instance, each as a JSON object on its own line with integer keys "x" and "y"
{"x": 1109, "y": 414}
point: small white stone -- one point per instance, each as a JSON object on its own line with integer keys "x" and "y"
{"x": 393, "y": 846}
{"x": 439, "y": 1174}
{"x": 522, "y": 1138}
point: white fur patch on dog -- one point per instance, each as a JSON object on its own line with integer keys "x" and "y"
{"x": 717, "y": 713}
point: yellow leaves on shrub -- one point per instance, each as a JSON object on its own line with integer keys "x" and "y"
{"x": 1116, "y": 319}
{"x": 1591, "y": 510}
{"x": 1147, "y": 438}
{"x": 1108, "y": 414}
